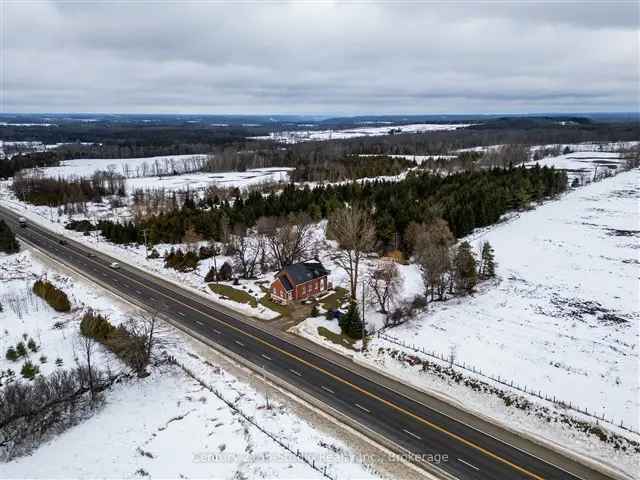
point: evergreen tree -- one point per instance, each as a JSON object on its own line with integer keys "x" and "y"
{"x": 351, "y": 322}
{"x": 487, "y": 261}
{"x": 465, "y": 268}
{"x": 356, "y": 327}
{"x": 211, "y": 275}
{"x": 226, "y": 272}
{"x": 8, "y": 242}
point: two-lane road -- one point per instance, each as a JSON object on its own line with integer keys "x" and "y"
{"x": 404, "y": 422}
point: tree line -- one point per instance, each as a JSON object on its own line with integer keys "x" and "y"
{"x": 40, "y": 190}
{"x": 466, "y": 201}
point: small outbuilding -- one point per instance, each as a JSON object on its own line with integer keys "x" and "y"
{"x": 299, "y": 281}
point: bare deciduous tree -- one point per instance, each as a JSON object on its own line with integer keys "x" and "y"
{"x": 87, "y": 347}
{"x": 248, "y": 250}
{"x": 384, "y": 281}
{"x": 288, "y": 238}
{"x": 354, "y": 230}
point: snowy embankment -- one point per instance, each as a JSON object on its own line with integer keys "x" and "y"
{"x": 167, "y": 424}
{"x": 561, "y": 318}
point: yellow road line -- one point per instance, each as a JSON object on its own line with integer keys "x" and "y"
{"x": 342, "y": 380}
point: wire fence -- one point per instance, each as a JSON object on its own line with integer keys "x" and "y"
{"x": 449, "y": 359}
{"x": 294, "y": 451}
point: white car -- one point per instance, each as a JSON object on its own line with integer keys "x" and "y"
{"x": 114, "y": 265}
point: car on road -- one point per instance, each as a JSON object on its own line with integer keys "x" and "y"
{"x": 91, "y": 255}
{"x": 22, "y": 221}
{"x": 62, "y": 241}
{"x": 114, "y": 265}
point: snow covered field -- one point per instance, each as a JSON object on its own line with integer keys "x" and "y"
{"x": 562, "y": 317}
{"x": 129, "y": 167}
{"x": 296, "y": 136}
{"x": 200, "y": 181}
{"x": 155, "y": 173}
{"x": 583, "y": 165}
{"x": 167, "y": 424}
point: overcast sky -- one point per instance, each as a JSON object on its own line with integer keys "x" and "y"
{"x": 321, "y": 57}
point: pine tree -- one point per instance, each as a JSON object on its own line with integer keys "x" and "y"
{"x": 487, "y": 262}
{"x": 465, "y": 268}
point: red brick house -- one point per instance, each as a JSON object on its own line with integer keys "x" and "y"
{"x": 298, "y": 282}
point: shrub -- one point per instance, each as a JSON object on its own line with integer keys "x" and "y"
{"x": 226, "y": 272}
{"x": 80, "y": 226}
{"x": 21, "y": 350}
{"x": 419, "y": 302}
{"x": 55, "y": 297}
{"x": 206, "y": 252}
{"x": 29, "y": 370}
{"x": 129, "y": 347}
{"x": 12, "y": 354}
{"x": 211, "y": 275}
{"x": 183, "y": 262}
{"x": 33, "y": 346}
{"x": 96, "y": 326}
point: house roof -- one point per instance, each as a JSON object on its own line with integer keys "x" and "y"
{"x": 301, "y": 272}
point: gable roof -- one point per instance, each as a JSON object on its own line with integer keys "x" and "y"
{"x": 301, "y": 272}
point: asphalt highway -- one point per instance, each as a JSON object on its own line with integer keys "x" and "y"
{"x": 405, "y": 423}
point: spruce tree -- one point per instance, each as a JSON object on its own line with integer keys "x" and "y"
{"x": 466, "y": 274}
{"x": 356, "y": 328}
{"x": 487, "y": 261}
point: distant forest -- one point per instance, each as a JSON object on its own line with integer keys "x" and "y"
{"x": 332, "y": 160}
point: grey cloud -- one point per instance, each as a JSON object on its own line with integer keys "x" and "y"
{"x": 320, "y": 57}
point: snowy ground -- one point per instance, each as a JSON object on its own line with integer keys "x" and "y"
{"x": 201, "y": 180}
{"x": 584, "y": 165}
{"x": 562, "y": 317}
{"x": 26, "y": 314}
{"x": 167, "y": 424}
{"x": 128, "y": 167}
{"x": 319, "y": 135}
{"x": 154, "y": 172}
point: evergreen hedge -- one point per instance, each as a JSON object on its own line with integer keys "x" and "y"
{"x": 55, "y": 297}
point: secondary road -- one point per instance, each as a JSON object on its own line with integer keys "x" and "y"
{"x": 405, "y": 423}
